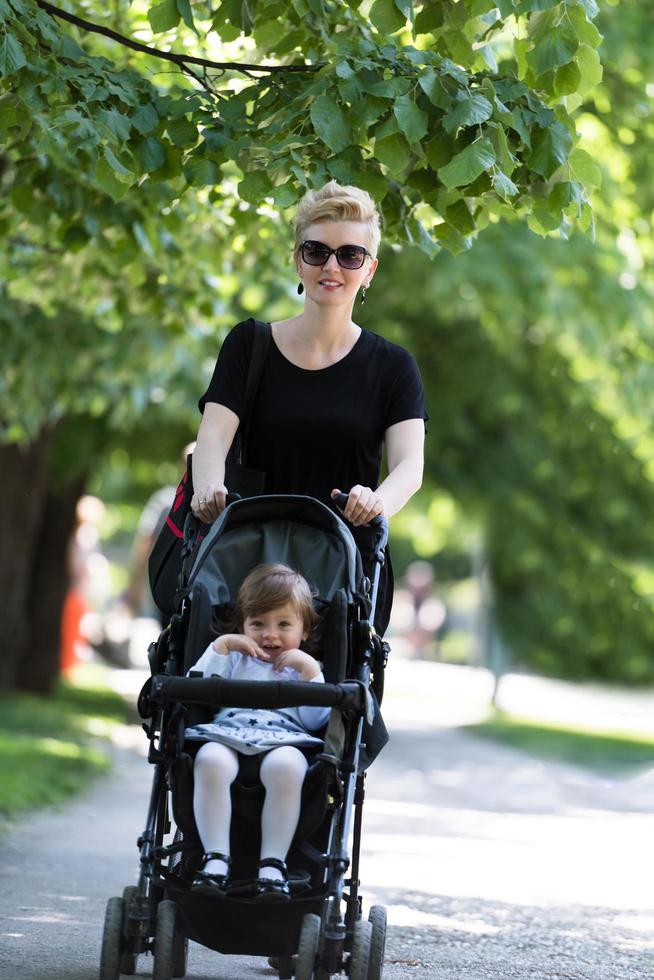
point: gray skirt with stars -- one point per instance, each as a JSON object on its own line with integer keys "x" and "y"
{"x": 252, "y": 730}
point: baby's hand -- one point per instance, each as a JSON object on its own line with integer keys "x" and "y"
{"x": 303, "y": 662}
{"x": 229, "y": 642}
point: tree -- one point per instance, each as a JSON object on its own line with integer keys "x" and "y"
{"x": 454, "y": 115}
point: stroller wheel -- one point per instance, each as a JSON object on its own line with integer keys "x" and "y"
{"x": 111, "y": 940}
{"x": 127, "y": 958}
{"x": 164, "y": 941}
{"x": 180, "y": 953}
{"x": 377, "y": 918}
{"x": 308, "y": 947}
{"x": 360, "y": 955}
{"x": 285, "y": 967}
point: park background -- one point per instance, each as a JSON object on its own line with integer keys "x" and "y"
{"x": 146, "y": 208}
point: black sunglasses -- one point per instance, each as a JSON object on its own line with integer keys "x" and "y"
{"x": 347, "y": 256}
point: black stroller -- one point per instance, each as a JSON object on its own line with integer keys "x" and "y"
{"x": 320, "y": 932}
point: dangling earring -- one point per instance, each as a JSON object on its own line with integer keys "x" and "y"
{"x": 300, "y": 288}
{"x": 363, "y": 293}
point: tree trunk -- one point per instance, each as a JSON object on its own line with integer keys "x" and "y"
{"x": 23, "y": 485}
{"x": 39, "y": 668}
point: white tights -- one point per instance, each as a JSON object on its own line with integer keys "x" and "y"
{"x": 282, "y": 774}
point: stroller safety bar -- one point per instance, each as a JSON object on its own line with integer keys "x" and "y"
{"x": 349, "y": 696}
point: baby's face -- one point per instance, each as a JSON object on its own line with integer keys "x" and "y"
{"x": 276, "y": 630}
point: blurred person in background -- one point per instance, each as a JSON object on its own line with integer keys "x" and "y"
{"x": 88, "y": 572}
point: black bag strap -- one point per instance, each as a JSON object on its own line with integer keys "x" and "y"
{"x": 260, "y": 348}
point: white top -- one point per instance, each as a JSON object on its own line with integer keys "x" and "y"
{"x": 253, "y": 730}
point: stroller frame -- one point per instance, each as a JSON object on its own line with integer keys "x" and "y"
{"x": 329, "y": 941}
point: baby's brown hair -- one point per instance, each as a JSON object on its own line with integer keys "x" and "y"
{"x": 271, "y": 586}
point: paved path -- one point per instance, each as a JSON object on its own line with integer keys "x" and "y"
{"x": 492, "y": 865}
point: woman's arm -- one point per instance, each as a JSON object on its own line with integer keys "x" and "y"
{"x": 405, "y": 455}
{"x": 215, "y": 435}
{"x": 405, "y": 443}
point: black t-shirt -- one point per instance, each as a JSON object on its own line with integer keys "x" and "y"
{"x": 311, "y": 431}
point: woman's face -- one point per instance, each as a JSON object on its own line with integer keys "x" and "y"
{"x": 330, "y": 284}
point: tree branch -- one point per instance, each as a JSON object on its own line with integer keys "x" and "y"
{"x": 178, "y": 59}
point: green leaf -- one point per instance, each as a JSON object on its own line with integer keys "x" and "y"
{"x": 12, "y": 56}
{"x": 556, "y": 47}
{"x": 367, "y": 110}
{"x": 480, "y": 7}
{"x": 200, "y": 172}
{"x": 590, "y": 67}
{"x": 393, "y": 152}
{"x": 412, "y": 120}
{"x": 118, "y": 125}
{"x": 149, "y": 153}
{"x": 108, "y": 182}
{"x": 584, "y": 168}
{"x": 590, "y": 7}
{"x": 567, "y": 79}
{"x": 182, "y": 132}
{"x": 586, "y": 30}
{"x": 116, "y": 165}
{"x": 471, "y": 110}
{"x": 430, "y": 82}
{"x": 374, "y": 182}
{"x": 406, "y": 8}
{"x": 440, "y": 150}
{"x": 421, "y": 237}
{"x": 458, "y": 215}
{"x": 505, "y": 158}
{"x": 503, "y": 185}
{"x": 9, "y": 112}
{"x": 549, "y": 149}
{"x": 173, "y": 166}
{"x": 467, "y": 165}
{"x": 164, "y": 16}
{"x": 184, "y": 8}
{"x": 452, "y": 239}
{"x": 145, "y": 119}
{"x": 345, "y": 167}
{"x": 388, "y": 88}
{"x": 254, "y": 187}
{"x": 330, "y": 123}
{"x": 286, "y": 194}
{"x": 386, "y": 17}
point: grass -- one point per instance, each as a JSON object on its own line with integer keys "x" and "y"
{"x": 50, "y": 747}
{"x": 608, "y": 752}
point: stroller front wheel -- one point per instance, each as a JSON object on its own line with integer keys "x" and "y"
{"x": 377, "y": 918}
{"x": 308, "y": 947}
{"x": 127, "y": 957}
{"x": 111, "y": 940}
{"x": 164, "y": 941}
{"x": 360, "y": 955}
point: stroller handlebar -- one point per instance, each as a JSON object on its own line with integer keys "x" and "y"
{"x": 348, "y": 695}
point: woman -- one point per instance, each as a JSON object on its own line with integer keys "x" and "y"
{"x": 332, "y": 395}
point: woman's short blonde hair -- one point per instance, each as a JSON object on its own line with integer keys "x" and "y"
{"x": 335, "y": 202}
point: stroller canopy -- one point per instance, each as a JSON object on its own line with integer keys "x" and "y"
{"x": 299, "y": 531}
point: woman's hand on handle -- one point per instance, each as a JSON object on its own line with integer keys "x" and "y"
{"x": 362, "y": 505}
{"x": 208, "y": 502}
